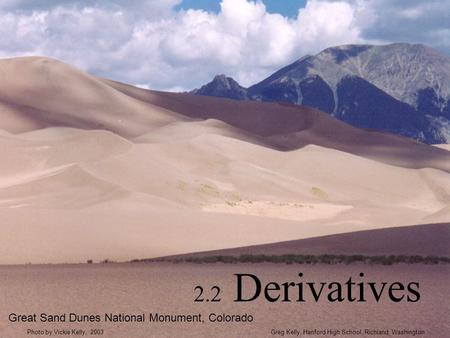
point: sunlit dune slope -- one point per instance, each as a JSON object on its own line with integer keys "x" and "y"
{"x": 40, "y": 92}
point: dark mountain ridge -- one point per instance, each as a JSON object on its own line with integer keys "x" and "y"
{"x": 399, "y": 88}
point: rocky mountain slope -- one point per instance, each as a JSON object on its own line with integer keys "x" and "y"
{"x": 223, "y": 86}
{"x": 399, "y": 88}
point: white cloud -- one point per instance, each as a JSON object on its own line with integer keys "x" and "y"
{"x": 327, "y": 24}
{"x": 414, "y": 21}
{"x": 149, "y": 43}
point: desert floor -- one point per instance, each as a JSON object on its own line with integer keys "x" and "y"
{"x": 136, "y": 288}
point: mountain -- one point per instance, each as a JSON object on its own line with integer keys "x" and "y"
{"x": 222, "y": 86}
{"x": 399, "y": 88}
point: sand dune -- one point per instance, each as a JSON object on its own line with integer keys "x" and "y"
{"x": 38, "y": 92}
{"x": 443, "y": 146}
{"x": 64, "y": 187}
{"x": 46, "y": 92}
{"x": 291, "y": 127}
{"x": 95, "y": 169}
{"x": 49, "y": 148}
{"x": 182, "y": 131}
{"x": 203, "y": 193}
{"x": 280, "y": 210}
{"x": 423, "y": 240}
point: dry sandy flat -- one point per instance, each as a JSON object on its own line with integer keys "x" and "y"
{"x": 137, "y": 288}
{"x": 121, "y": 173}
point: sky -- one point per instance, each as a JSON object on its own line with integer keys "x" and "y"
{"x": 179, "y": 45}
{"x": 288, "y": 8}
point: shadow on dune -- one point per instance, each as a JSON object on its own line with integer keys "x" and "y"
{"x": 422, "y": 240}
{"x": 289, "y": 127}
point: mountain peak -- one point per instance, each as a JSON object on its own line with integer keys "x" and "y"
{"x": 223, "y": 86}
{"x": 222, "y": 77}
{"x": 225, "y": 81}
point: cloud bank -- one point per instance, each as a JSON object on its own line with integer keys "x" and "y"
{"x": 152, "y": 44}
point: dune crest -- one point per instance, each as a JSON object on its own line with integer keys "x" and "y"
{"x": 64, "y": 187}
{"x": 52, "y": 93}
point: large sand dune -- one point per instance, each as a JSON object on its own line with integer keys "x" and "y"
{"x": 291, "y": 127}
{"x": 47, "y": 92}
{"x": 423, "y": 240}
{"x": 95, "y": 169}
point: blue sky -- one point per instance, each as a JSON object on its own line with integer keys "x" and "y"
{"x": 287, "y": 8}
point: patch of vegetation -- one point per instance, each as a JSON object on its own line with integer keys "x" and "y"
{"x": 209, "y": 190}
{"x": 319, "y": 192}
{"x": 106, "y": 261}
{"x": 181, "y": 185}
{"x": 235, "y": 197}
{"x": 308, "y": 259}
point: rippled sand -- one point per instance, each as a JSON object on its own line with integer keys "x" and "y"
{"x": 168, "y": 288}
